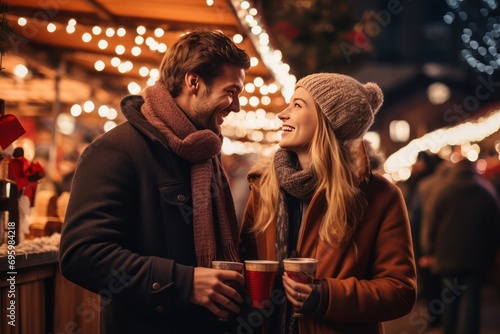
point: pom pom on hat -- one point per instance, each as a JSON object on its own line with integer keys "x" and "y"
{"x": 349, "y": 105}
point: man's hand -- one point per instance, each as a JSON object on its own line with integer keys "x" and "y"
{"x": 211, "y": 291}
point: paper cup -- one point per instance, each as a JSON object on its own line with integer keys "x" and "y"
{"x": 234, "y": 266}
{"x": 302, "y": 270}
{"x": 228, "y": 265}
{"x": 260, "y": 275}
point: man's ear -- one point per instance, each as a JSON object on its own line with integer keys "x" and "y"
{"x": 192, "y": 82}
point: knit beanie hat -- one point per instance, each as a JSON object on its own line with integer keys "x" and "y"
{"x": 349, "y": 105}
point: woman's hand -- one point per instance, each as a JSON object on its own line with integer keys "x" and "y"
{"x": 296, "y": 292}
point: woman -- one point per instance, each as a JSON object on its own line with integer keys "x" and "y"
{"x": 318, "y": 198}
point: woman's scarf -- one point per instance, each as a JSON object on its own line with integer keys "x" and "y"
{"x": 296, "y": 182}
{"x": 209, "y": 186}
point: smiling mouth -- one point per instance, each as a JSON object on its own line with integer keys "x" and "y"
{"x": 287, "y": 128}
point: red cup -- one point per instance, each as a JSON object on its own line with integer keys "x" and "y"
{"x": 260, "y": 275}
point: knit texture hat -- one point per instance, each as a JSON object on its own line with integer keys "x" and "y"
{"x": 349, "y": 105}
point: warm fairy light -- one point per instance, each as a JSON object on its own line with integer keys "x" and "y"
{"x": 141, "y": 30}
{"x": 250, "y": 87}
{"x": 22, "y": 21}
{"x": 210, "y": 2}
{"x": 110, "y": 32}
{"x": 254, "y": 61}
{"x": 120, "y": 49}
{"x": 96, "y": 30}
{"x": 51, "y": 27}
{"x": 103, "y": 44}
{"x": 88, "y": 106}
{"x": 86, "y": 37}
{"x": 162, "y": 47}
{"x": 265, "y": 100}
{"x": 143, "y": 71}
{"x": 109, "y": 125}
{"x": 112, "y": 114}
{"x": 258, "y": 81}
{"x": 125, "y": 67}
{"x": 273, "y": 88}
{"x": 103, "y": 111}
{"x": 254, "y": 101}
{"x": 136, "y": 51}
{"x": 121, "y": 32}
{"x": 154, "y": 73}
{"x": 159, "y": 32}
{"x": 139, "y": 40}
{"x": 264, "y": 90}
{"x": 237, "y": 38}
{"x": 438, "y": 140}
{"x": 151, "y": 81}
{"x": 134, "y": 88}
{"x": 99, "y": 65}
{"x": 245, "y": 5}
{"x": 76, "y": 110}
{"x": 243, "y": 101}
{"x": 115, "y": 61}
{"x": 254, "y": 124}
{"x": 20, "y": 71}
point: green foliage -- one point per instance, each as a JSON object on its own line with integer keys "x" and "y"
{"x": 317, "y": 35}
{"x": 5, "y": 29}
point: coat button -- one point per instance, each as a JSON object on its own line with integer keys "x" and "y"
{"x": 181, "y": 198}
{"x": 159, "y": 309}
{"x": 156, "y": 286}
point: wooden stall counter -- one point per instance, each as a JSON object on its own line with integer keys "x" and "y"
{"x": 36, "y": 299}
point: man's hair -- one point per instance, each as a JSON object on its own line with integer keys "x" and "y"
{"x": 200, "y": 52}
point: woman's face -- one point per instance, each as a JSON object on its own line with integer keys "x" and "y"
{"x": 300, "y": 120}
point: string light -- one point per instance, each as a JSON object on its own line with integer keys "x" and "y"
{"x": 257, "y": 125}
{"x": 480, "y": 37}
{"x": 442, "y": 139}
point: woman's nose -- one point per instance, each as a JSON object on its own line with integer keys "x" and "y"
{"x": 282, "y": 115}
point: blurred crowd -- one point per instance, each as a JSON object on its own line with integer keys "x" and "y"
{"x": 455, "y": 222}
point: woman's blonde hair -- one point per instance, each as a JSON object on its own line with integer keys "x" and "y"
{"x": 333, "y": 167}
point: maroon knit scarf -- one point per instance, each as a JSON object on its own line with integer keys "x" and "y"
{"x": 208, "y": 181}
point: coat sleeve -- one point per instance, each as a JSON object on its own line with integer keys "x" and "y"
{"x": 97, "y": 250}
{"x": 388, "y": 287}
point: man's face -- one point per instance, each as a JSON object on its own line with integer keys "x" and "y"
{"x": 217, "y": 101}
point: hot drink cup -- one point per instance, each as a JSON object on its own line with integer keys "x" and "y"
{"x": 234, "y": 266}
{"x": 302, "y": 270}
{"x": 260, "y": 275}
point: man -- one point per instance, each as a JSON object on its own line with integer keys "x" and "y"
{"x": 150, "y": 206}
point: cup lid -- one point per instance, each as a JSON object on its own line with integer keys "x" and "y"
{"x": 300, "y": 264}
{"x": 261, "y": 265}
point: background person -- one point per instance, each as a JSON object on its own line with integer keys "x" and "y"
{"x": 461, "y": 242}
{"x": 150, "y": 206}
{"x": 318, "y": 198}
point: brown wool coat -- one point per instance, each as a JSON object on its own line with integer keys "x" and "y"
{"x": 365, "y": 282}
